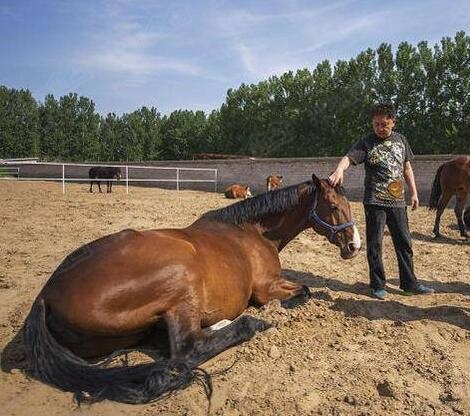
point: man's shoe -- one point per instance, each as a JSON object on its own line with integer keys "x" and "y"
{"x": 420, "y": 289}
{"x": 379, "y": 293}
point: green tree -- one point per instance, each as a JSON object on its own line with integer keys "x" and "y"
{"x": 19, "y": 117}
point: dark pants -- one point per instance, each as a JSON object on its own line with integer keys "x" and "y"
{"x": 397, "y": 222}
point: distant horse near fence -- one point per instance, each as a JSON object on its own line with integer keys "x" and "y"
{"x": 237, "y": 192}
{"x": 452, "y": 178}
{"x": 104, "y": 172}
{"x": 273, "y": 182}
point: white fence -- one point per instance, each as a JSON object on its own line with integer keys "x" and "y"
{"x": 175, "y": 174}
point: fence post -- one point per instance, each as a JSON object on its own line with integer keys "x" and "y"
{"x": 177, "y": 179}
{"x": 215, "y": 179}
{"x": 127, "y": 179}
{"x": 63, "y": 178}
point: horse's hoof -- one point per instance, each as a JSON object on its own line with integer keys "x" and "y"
{"x": 253, "y": 325}
{"x": 437, "y": 235}
{"x": 306, "y": 292}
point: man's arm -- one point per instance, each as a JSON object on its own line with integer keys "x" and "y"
{"x": 410, "y": 181}
{"x": 336, "y": 178}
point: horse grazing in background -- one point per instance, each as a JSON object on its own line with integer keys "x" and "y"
{"x": 452, "y": 178}
{"x": 273, "y": 182}
{"x": 104, "y": 172}
{"x": 237, "y": 192}
{"x": 119, "y": 290}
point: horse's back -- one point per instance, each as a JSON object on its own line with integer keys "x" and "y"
{"x": 456, "y": 173}
{"x": 93, "y": 172}
{"x": 110, "y": 281}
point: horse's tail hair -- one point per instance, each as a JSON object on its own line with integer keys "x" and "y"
{"x": 436, "y": 190}
{"x": 56, "y": 365}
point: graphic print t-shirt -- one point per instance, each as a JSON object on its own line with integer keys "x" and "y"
{"x": 384, "y": 161}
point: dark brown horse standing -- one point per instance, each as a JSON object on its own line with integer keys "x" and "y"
{"x": 116, "y": 291}
{"x": 104, "y": 172}
{"x": 452, "y": 178}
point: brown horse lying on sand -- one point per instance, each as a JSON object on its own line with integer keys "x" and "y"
{"x": 237, "y": 192}
{"x": 116, "y": 291}
{"x": 452, "y": 178}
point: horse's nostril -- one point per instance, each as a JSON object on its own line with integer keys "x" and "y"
{"x": 351, "y": 247}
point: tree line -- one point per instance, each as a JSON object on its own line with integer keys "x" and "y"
{"x": 318, "y": 112}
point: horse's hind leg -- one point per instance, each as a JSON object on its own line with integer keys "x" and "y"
{"x": 99, "y": 186}
{"x": 91, "y": 186}
{"x": 459, "y": 208}
{"x": 189, "y": 341}
{"x": 441, "y": 206}
{"x": 240, "y": 330}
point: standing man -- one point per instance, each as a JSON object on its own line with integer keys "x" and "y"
{"x": 387, "y": 158}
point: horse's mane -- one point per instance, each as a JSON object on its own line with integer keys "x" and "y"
{"x": 254, "y": 208}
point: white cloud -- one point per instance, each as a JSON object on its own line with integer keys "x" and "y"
{"x": 138, "y": 63}
{"x": 264, "y": 56}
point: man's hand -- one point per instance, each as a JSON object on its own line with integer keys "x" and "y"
{"x": 336, "y": 178}
{"x": 414, "y": 202}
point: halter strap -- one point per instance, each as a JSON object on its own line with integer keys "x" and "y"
{"x": 332, "y": 229}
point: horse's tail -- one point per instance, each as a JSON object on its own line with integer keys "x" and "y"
{"x": 436, "y": 190}
{"x": 56, "y": 365}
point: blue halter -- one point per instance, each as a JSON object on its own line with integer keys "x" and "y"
{"x": 332, "y": 229}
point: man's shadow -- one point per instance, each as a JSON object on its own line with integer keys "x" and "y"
{"x": 439, "y": 240}
{"x": 442, "y": 287}
{"x": 388, "y": 310}
{"x": 399, "y": 312}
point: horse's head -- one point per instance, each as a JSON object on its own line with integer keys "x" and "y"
{"x": 118, "y": 174}
{"x": 330, "y": 215}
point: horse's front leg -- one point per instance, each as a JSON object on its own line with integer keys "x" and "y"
{"x": 277, "y": 288}
{"x": 99, "y": 186}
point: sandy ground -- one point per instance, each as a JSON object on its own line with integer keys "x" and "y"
{"x": 340, "y": 353}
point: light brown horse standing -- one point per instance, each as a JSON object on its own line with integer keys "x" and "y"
{"x": 118, "y": 290}
{"x": 452, "y": 178}
{"x": 273, "y": 182}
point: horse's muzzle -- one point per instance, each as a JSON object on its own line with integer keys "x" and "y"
{"x": 352, "y": 247}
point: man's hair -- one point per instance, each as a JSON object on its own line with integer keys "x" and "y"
{"x": 382, "y": 109}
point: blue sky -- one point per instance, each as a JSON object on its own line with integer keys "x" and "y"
{"x": 186, "y": 54}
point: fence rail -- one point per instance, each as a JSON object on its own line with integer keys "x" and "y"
{"x": 62, "y": 177}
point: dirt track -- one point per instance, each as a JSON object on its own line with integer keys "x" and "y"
{"x": 341, "y": 353}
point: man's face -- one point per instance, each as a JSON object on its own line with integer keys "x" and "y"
{"x": 383, "y": 126}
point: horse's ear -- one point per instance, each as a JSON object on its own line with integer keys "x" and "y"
{"x": 280, "y": 177}
{"x": 316, "y": 181}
